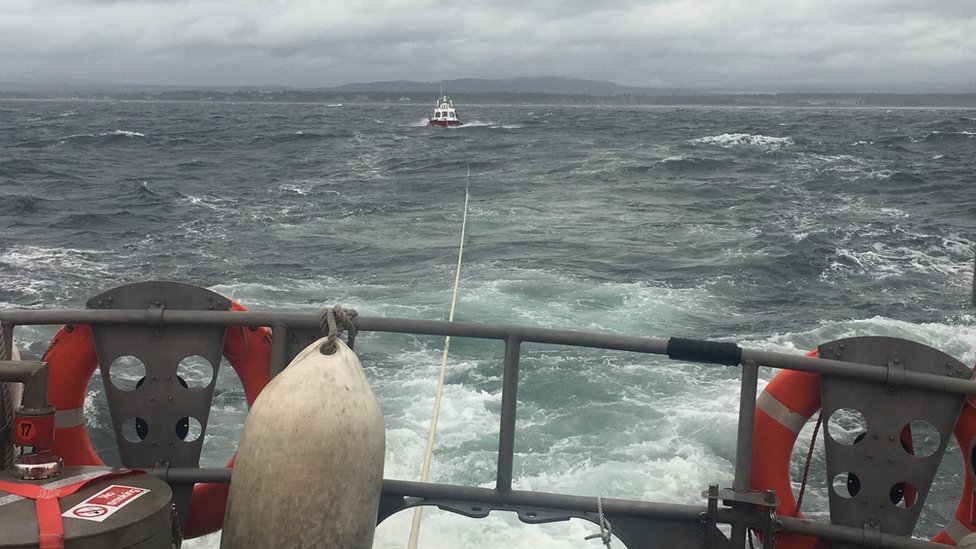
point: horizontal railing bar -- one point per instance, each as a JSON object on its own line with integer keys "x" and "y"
{"x": 857, "y": 370}
{"x": 192, "y": 475}
{"x": 313, "y": 321}
{"x": 587, "y": 504}
{"x": 854, "y": 536}
{"x": 673, "y": 511}
{"x": 646, "y": 345}
{"x": 632, "y": 508}
{"x": 406, "y": 488}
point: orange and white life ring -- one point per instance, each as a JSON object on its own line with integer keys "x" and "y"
{"x": 963, "y": 521}
{"x": 784, "y": 407}
{"x": 71, "y": 363}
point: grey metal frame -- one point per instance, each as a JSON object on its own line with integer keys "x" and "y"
{"x": 905, "y": 371}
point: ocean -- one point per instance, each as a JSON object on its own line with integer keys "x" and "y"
{"x": 775, "y": 228}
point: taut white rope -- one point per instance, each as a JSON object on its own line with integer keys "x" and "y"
{"x": 425, "y": 471}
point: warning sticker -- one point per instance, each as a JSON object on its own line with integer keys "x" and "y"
{"x": 103, "y": 504}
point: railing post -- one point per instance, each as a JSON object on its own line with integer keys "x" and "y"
{"x": 279, "y": 347}
{"x": 506, "y": 430}
{"x": 743, "y": 451}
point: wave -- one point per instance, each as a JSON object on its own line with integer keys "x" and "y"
{"x": 49, "y": 276}
{"x": 886, "y": 260}
{"x": 729, "y": 140}
{"x": 126, "y": 133}
{"x": 211, "y": 203}
{"x": 20, "y": 204}
{"x": 953, "y": 337}
{"x": 20, "y": 167}
{"x": 101, "y": 138}
{"x": 685, "y": 164}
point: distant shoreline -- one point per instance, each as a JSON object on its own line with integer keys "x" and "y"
{"x": 777, "y": 100}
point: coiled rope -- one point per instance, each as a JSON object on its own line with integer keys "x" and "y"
{"x": 335, "y": 320}
{"x": 425, "y": 470}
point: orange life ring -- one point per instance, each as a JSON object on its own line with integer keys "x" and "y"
{"x": 784, "y": 407}
{"x": 71, "y": 363}
{"x": 963, "y": 521}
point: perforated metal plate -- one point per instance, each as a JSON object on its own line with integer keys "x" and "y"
{"x": 159, "y": 380}
{"x": 884, "y": 441}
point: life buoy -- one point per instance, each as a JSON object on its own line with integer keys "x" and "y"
{"x": 71, "y": 363}
{"x": 963, "y": 521}
{"x": 784, "y": 407}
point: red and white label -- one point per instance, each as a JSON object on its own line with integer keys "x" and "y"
{"x": 103, "y": 504}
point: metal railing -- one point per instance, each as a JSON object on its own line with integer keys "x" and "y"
{"x": 636, "y": 523}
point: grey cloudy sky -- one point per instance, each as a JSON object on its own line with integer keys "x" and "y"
{"x": 860, "y": 44}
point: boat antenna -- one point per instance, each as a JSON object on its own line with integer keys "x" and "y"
{"x": 425, "y": 470}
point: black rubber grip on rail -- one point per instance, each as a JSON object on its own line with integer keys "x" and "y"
{"x": 700, "y": 350}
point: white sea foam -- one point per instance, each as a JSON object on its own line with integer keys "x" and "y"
{"x": 120, "y": 133}
{"x": 32, "y": 258}
{"x": 475, "y": 124}
{"x": 62, "y": 140}
{"x": 880, "y": 174}
{"x": 304, "y": 187}
{"x": 506, "y": 294}
{"x": 940, "y": 134}
{"x": 126, "y": 133}
{"x": 728, "y": 140}
{"x": 957, "y": 339}
{"x": 209, "y": 202}
{"x": 884, "y": 260}
{"x": 500, "y": 529}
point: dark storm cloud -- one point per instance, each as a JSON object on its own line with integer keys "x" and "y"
{"x": 712, "y": 43}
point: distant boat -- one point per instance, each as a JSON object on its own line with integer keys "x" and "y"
{"x": 444, "y": 114}
{"x": 334, "y": 105}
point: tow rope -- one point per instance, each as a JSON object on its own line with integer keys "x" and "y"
{"x": 425, "y": 470}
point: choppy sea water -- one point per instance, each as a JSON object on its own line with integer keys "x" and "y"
{"x": 778, "y": 229}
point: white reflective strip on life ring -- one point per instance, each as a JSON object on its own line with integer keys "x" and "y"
{"x": 778, "y": 411}
{"x": 10, "y": 498}
{"x": 956, "y": 530}
{"x": 72, "y": 417}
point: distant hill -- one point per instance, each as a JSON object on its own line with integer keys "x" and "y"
{"x": 472, "y": 91}
{"x": 549, "y": 85}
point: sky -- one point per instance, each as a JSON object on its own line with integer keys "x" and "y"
{"x": 859, "y": 45}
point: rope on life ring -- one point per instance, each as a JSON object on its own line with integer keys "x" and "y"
{"x": 783, "y": 408}
{"x": 72, "y": 361}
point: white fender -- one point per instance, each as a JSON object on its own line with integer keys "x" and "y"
{"x": 309, "y": 468}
